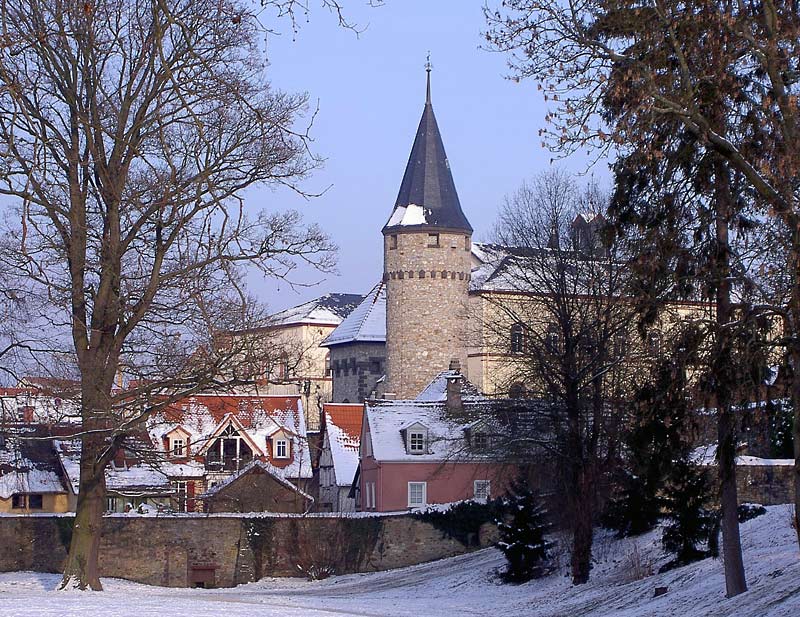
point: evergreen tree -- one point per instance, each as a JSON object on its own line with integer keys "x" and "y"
{"x": 522, "y": 536}
{"x": 691, "y": 532}
{"x": 658, "y": 436}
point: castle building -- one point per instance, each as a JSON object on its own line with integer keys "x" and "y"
{"x": 427, "y": 263}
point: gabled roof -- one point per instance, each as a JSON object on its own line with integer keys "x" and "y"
{"x": 436, "y": 390}
{"x": 256, "y": 465}
{"x": 427, "y": 196}
{"x": 28, "y": 462}
{"x": 329, "y": 309}
{"x": 343, "y": 427}
{"x": 257, "y": 417}
{"x": 367, "y": 322}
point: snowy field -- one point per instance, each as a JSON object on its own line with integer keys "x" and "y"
{"x": 462, "y": 586}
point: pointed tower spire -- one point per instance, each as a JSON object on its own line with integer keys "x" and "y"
{"x": 427, "y": 196}
{"x": 428, "y": 69}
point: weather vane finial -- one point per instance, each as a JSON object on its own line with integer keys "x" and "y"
{"x": 428, "y": 68}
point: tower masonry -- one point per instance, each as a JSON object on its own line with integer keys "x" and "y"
{"x": 427, "y": 247}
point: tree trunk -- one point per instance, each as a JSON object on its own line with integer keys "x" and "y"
{"x": 724, "y": 383}
{"x": 582, "y": 528}
{"x": 81, "y": 570}
{"x": 795, "y": 388}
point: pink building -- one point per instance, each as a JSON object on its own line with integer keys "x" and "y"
{"x": 420, "y": 452}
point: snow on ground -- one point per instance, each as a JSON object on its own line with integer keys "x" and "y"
{"x": 463, "y": 585}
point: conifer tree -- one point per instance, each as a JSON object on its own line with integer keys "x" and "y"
{"x": 523, "y": 538}
{"x": 690, "y": 524}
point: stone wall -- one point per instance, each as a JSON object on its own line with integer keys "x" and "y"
{"x": 222, "y": 551}
{"x": 765, "y": 484}
{"x": 356, "y": 369}
{"x": 769, "y": 485}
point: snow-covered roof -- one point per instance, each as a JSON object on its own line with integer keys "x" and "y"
{"x": 329, "y": 309}
{"x": 707, "y": 455}
{"x": 28, "y": 463}
{"x": 32, "y": 406}
{"x": 367, "y": 322}
{"x": 343, "y": 426}
{"x": 387, "y": 420}
{"x": 276, "y": 472}
{"x": 140, "y": 478}
{"x": 258, "y": 416}
{"x": 410, "y": 214}
{"x": 436, "y": 390}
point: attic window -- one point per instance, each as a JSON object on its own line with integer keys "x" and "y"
{"x": 178, "y": 447}
{"x": 281, "y": 448}
{"x": 416, "y": 442}
{"x": 433, "y": 240}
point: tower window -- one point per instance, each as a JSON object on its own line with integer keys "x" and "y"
{"x": 393, "y": 241}
{"x": 466, "y": 243}
{"x": 433, "y": 240}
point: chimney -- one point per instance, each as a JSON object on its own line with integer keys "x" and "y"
{"x": 454, "y": 377}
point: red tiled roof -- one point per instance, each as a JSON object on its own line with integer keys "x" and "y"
{"x": 243, "y": 407}
{"x": 347, "y": 417}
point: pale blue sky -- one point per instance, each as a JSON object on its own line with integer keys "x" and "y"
{"x": 371, "y": 90}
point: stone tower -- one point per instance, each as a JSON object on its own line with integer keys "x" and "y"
{"x": 426, "y": 267}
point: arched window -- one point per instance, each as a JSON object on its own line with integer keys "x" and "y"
{"x": 517, "y": 390}
{"x": 519, "y": 336}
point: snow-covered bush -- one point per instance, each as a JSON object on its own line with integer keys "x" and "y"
{"x": 462, "y": 520}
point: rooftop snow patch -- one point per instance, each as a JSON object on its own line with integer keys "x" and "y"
{"x": 367, "y": 322}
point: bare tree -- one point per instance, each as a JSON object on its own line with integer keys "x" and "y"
{"x": 130, "y": 129}
{"x": 566, "y": 338}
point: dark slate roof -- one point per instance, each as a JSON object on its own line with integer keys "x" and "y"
{"x": 428, "y": 182}
{"x": 327, "y": 309}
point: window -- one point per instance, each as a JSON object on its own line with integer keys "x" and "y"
{"x": 393, "y": 241}
{"x": 417, "y": 494}
{"x": 369, "y": 495}
{"x": 180, "y": 495}
{"x": 480, "y": 442}
{"x": 654, "y": 342}
{"x": 178, "y": 447}
{"x": 111, "y": 504}
{"x": 519, "y": 342}
{"x": 552, "y": 339}
{"x": 416, "y": 442}
{"x": 517, "y": 390}
{"x": 18, "y": 502}
{"x": 375, "y": 367}
{"x": 35, "y": 502}
{"x": 433, "y": 240}
{"x": 281, "y": 448}
{"x": 467, "y": 246}
{"x": 328, "y": 364}
{"x": 482, "y": 489}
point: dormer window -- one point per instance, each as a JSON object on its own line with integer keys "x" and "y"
{"x": 281, "y": 448}
{"x": 480, "y": 442}
{"x": 416, "y": 442}
{"x": 178, "y": 447}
